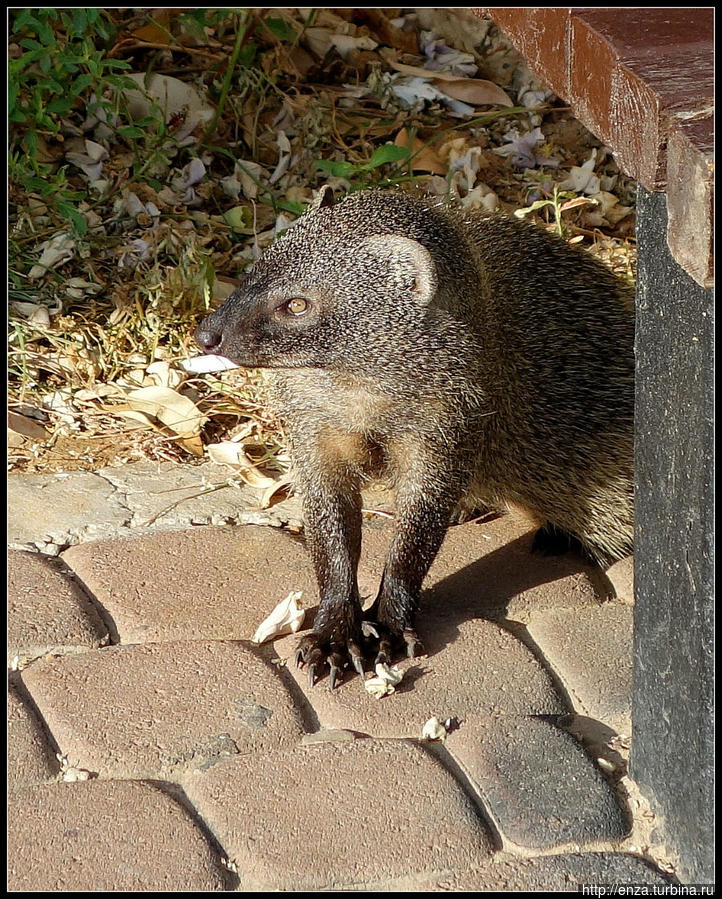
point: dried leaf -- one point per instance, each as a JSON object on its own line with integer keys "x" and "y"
{"x": 26, "y": 427}
{"x": 36, "y": 313}
{"x": 284, "y": 157}
{"x": 480, "y": 197}
{"x": 163, "y": 375}
{"x": 414, "y": 90}
{"x": 576, "y": 202}
{"x": 385, "y": 681}
{"x": 226, "y": 453}
{"x": 154, "y": 32}
{"x": 175, "y": 98}
{"x": 433, "y": 730}
{"x": 581, "y": 178}
{"x": 425, "y": 159}
{"x": 173, "y": 409}
{"x": 286, "y": 618}
{"x": 318, "y": 41}
{"x": 140, "y": 420}
{"x": 193, "y": 445}
{"x": 254, "y": 478}
{"x": 346, "y": 44}
{"x": 475, "y": 91}
{"x": 447, "y": 59}
{"x": 230, "y": 452}
{"x": 272, "y": 490}
{"x": 59, "y": 401}
{"x": 609, "y": 211}
{"x": 54, "y": 252}
{"x": 418, "y": 72}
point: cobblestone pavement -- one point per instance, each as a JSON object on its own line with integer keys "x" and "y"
{"x": 152, "y": 746}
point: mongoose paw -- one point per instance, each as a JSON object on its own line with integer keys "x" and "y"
{"x": 390, "y": 642}
{"x": 389, "y": 624}
{"x": 314, "y": 653}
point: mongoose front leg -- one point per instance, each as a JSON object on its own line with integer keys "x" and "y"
{"x": 422, "y": 523}
{"x": 333, "y": 536}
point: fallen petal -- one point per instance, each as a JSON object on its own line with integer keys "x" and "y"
{"x": 286, "y": 618}
{"x": 385, "y": 681}
{"x": 204, "y": 364}
{"x": 433, "y": 730}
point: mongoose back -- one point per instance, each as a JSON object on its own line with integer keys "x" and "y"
{"x": 470, "y": 359}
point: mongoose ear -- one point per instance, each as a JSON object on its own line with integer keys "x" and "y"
{"x": 322, "y": 199}
{"x": 409, "y": 263}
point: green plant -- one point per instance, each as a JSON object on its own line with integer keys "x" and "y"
{"x": 401, "y": 157}
{"x": 57, "y": 61}
{"x": 360, "y": 174}
{"x": 560, "y": 202}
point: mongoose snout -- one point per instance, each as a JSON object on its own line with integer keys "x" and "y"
{"x": 468, "y": 357}
{"x": 208, "y": 338}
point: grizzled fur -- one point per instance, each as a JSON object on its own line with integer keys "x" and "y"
{"x": 468, "y": 358}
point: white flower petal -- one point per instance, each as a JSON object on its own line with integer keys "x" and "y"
{"x": 433, "y": 730}
{"x": 203, "y": 364}
{"x": 286, "y": 618}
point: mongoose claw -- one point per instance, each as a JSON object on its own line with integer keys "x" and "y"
{"x": 414, "y": 646}
{"x": 332, "y": 675}
{"x": 313, "y": 653}
{"x": 301, "y": 661}
{"x": 358, "y": 663}
{"x": 389, "y": 641}
{"x": 370, "y": 629}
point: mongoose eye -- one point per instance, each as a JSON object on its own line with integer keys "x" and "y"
{"x": 297, "y": 306}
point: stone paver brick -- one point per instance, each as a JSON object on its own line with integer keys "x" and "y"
{"x": 592, "y": 656}
{"x": 152, "y": 710}
{"x": 108, "y": 836}
{"x": 487, "y": 569}
{"x": 30, "y": 757}
{"x": 473, "y": 667}
{"x": 183, "y": 702}
{"x": 47, "y": 609}
{"x": 216, "y": 583}
{"x": 553, "y": 872}
{"x": 221, "y": 582}
{"x": 339, "y": 815}
{"x": 538, "y": 784}
{"x": 621, "y": 576}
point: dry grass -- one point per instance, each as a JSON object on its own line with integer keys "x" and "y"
{"x": 169, "y": 218}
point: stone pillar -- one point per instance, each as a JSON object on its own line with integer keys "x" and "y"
{"x": 672, "y": 711}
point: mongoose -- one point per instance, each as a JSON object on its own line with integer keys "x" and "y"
{"x": 470, "y": 358}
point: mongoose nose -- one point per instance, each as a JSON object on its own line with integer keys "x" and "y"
{"x": 208, "y": 338}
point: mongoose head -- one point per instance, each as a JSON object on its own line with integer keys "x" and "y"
{"x": 347, "y": 282}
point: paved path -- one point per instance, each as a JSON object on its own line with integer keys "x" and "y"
{"x": 152, "y": 746}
